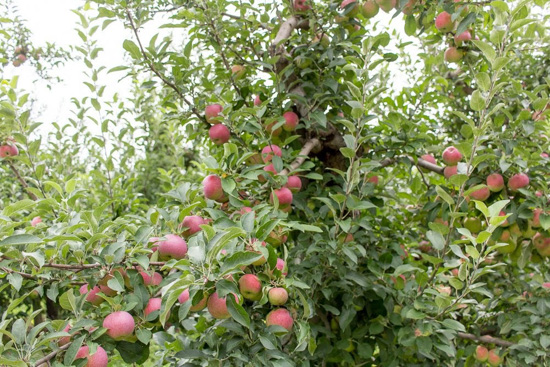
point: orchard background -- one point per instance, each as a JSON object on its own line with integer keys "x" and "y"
{"x": 264, "y": 196}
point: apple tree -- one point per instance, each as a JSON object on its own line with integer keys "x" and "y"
{"x": 300, "y": 183}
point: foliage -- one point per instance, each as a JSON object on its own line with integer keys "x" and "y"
{"x": 384, "y": 265}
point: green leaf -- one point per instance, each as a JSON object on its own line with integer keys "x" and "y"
{"x": 410, "y": 25}
{"x": 133, "y": 352}
{"x": 238, "y": 259}
{"x": 237, "y": 312}
{"x": 487, "y": 50}
{"x": 437, "y": 240}
{"x": 496, "y": 207}
{"x": 477, "y": 102}
{"x": 70, "y": 354}
{"x": 67, "y": 301}
{"x": 132, "y": 48}
{"x": 20, "y": 239}
{"x": 483, "y": 80}
{"x": 415, "y": 315}
{"x": 18, "y": 206}
{"x": 453, "y": 324}
{"x": 444, "y": 195}
{"x": 465, "y": 23}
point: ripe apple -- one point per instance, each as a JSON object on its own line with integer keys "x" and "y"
{"x": 281, "y": 266}
{"x": 217, "y": 306}
{"x": 154, "y": 304}
{"x": 280, "y": 317}
{"x": 462, "y": 37}
{"x": 154, "y": 280}
{"x": 542, "y": 244}
{"x": 291, "y": 120}
{"x": 450, "y": 171}
{"x": 200, "y": 305}
{"x": 35, "y": 221}
{"x": 453, "y": 54}
{"x": 250, "y": 287}
{"x": 257, "y": 100}
{"x": 8, "y": 150}
{"x": 429, "y": 158}
{"x": 481, "y": 353}
{"x": 212, "y": 188}
{"x": 495, "y": 182}
{"x": 192, "y": 223}
{"x": 238, "y": 71}
{"x": 481, "y": 194}
{"x": 92, "y": 296}
{"x": 253, "y": 246}
{"x": 119, "y": 324}
{"x": 276, "y": 237}
{"x": 444, "y": 22}
{"x": 374, "y": 180}
{"x": 536, "y": 217}
{"x": 408, "y": 9}
{"x": 518, "y": 181}
{"x": 370, "y": 8}
{"x": 354, "y": 8}
{"x": 98, "y": 359}
{"x": 269, "y": 151}
{"x": 184, "y": 296}
{"x": 219, "y": 134}
{"x": 269, "y": 129}
{"x": 277, "y": 296}
{"x": 66, "y": 339}
{"x": 493, "y": 358}
{"x": 451, "y": 156}
{"x": 174, "y": 247}
{"x": 386, "y": 5}
{"x": 284, "y": 196}
{"x": 301, "y": 5}
{"x": 294, "y": 183}
{"x": 211, "y": 113}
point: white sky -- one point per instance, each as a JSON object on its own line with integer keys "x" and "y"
{"x": 53, "y": 21}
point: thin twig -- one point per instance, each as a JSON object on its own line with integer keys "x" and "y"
{"x": 21, "y": 180}
{"x": 486, "y": 339}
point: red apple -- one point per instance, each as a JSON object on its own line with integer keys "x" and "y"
{"x": 301, "y": 5}
{"x": 450, "y": 171}
{"x": 66, "y": 339}
{"x": 119, "y": 324}
{"x": 98, "y": 359}
{"x": 354, "y": 9}
{"x": 250, "y": 287}
{"x": 451, "y": 156}
{"x": 294, "y": 183}
{"x": 154, "y": 280}
{"x": 462, "y": 37}
{"x": 277, "y": 296}
{"x": 495, "y": 182}
{"x": 8, "y": 150}
{"x": 211, "y": 113}
{"x": 291, "y": 120}
{"x": 374, "y": 180}
{"x": 370, "y": 9}
{"x": 184, "y": 296}
{"x": 219, "y": 134}
{"x": 217, "y": 306}
{"x": 284, "y": 196}
{"x": 408, "y": 9}
{"x": 518, "y": 181}
{"x": 453, "y": 54}
{"x": 493, "y": 358}
{"x": 35, "y": 221}
{"x": 257, "y": 101}
{"x": 92, "y": 296}
{"x": 153, "y": 304}
{"x": 269, "y": 151}
{"x": 173, "y": 247}
{"x": 280, "y": 317}
{"x": 281, "y": 266}
{"x": 542, "y": 244}
{"x": 238, "y": 71}
{"x": 444, "y": 22}
{"x": 192, "y": 223}
{"x": 481, "y": 353}
{"x": 429, "y": 158}
{"x": 212, "y": 188}
{"x": 481, "y": 194}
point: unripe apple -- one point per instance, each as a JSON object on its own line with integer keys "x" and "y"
{"x": 462, "y": 37}
{"x": 173, "y": 247}
{"x": 277, "y": 296}
{"x": 154, "y": 304}
{"x": 98, "y": 359}
{"x": 35, "y": 221}
{"x": 154, "y": 280}
{"x": 451, "y": 156}
{"x": 450, "y": 171}
{"x": 473, "y": 224}
{"x": 284, "y": 196}
{"x": 481, "y": 194}
{"x": 238, "y": 71}
{"x": 217, "y": 306}
{"x": 119, "y": 324}
{"x": 354, "y": 8}
{"x": 453, "y": 54}
{"x": 518, "y": 181}
{"x": 219, "y": 134}
{"x": 302, "y": 61}
{"x": 542, "y": 244}
{"x": 386, "y": 5}
{"x": 257, "y": 100}
{"x": 269, "y": 129}
{"x": 280, "y": 317}
{"x": 294, "y": 183}
{"x": 481, "y": 353}
{"x": 370, "y": 9}
{"x": 495, "y": 182}
{"x": 444, "y": 22}
{"x": 269, "y": 151}
{"x": 192, "y": 223}
{"x": 8, "y": 150}
{"x": 509, "y": 248}
{"x": 493, "y": 358}
{"x": 212, "y": 188}
{"x": 211, "y": 113}
{"x": 323, "y": 39}
{"x": 301, "y": 5}
{"x": 250, "y": 287}
{"x": 92, "y": 296}
{"x": 291, "y": 120}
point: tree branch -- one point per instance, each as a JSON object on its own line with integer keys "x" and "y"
{"x": 420, "y": 163}
{"x": 287, "y": 28}
{"x": 21, "y": 180}
{"x": 308, "y": 147}
{"x": 486, "y": 339}
{"x": 50, "y": 356}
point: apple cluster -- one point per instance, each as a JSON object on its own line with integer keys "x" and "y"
{"x": 457, "y": 49}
